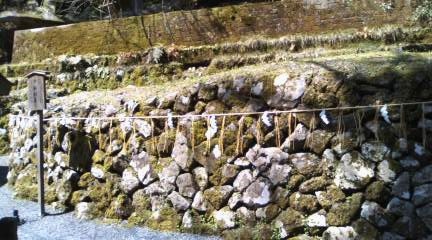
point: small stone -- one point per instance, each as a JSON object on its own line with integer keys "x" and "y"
{"x": 422, "y": 194}
{"x": 199, "y": 203}
{"x": 317, "y": 219}
{"x": 257, "y": 194}
{"x": 243, "y": 180}
{"x": 224, "y": 218}
{"x": 234, "y": 200}
{"x": 263, "y": 157}
{"x": 307, "y": 164}
{"x": 289, "y": 222}
{"x": 423, "y": 176}
{"x": 229, "y": 172}
{"x": 142, "y": 165}
{"x": 353, "y": 172}
{"x": 169, "y": 174}
{"x": 400, "y": 207}
{"x": 330, "y": 197}
{"x": 338, "y": 233}
{"x": 296, "y": 140}
{"x": 97, "y": 171}
{"x": 245, "y": 215}
{"x": 409, "y": 163}
{"x": 178, "y": 201}
{"x": 208, "y": 92}
{"x": 201, "y": 177}
{"x": 280, "y": 196}
{"x": 218, "y": 196}
{"x": 313, "y": 184}
{"x": 303, "y": 202}
{"x": 401, "y": 187}
{"x": 375, "y": 151}
{"x": 346, "y": 142}
{"x": 83, "y": 210}
{"x": 341, "y": 214}
{"x": 187, "y": 220}
{"x": 387, "y": 170}
{"x": 186, "y": 185}
{"x": 242, "y": 162}
{"x": 425, "y": 213}
{"x": 319, "y": 140}
{"x": 181, "y": 153}
{"x": 391, "y": 236}
{"x": 278, "y": 174}
{"x": 375, "y": 214}
{"x": 329, "y": 159}
{"x": 267, "y": 213}
{"x": 295, "y": 182}
{"x": 410, "y": 227}
{"x": 377, "y": 192}
{"x": 365, "y": 230}
{"x": 130, "y": 181}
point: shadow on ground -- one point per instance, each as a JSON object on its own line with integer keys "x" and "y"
{"x": 3, "y": 174}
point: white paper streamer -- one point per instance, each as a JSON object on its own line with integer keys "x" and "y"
{"x": 324, "y": 118}
{"x": 265, "y": 118}
{"x": 217, "y": 152}
{"x": 212, "y": 128}
{"x": 170, "y": 120}
{"x": 384, "y": 114}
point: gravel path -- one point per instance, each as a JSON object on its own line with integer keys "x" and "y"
{"x": 66, "y": 226}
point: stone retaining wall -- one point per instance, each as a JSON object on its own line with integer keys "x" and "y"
{"x": 205, "y": 26}
{"x": 340, "y": 175}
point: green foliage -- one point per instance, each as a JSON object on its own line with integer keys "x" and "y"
{"x": 423, "y": 13}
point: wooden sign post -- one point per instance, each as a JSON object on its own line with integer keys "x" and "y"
{"x": 37, "y": 103}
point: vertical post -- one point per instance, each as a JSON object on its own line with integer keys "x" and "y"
{"x": 37, "y": 103}
{"x": 41, "y": 197}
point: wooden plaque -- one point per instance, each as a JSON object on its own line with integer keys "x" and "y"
{"x": 36, "y": 93}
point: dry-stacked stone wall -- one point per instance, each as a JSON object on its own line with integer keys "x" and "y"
{"x": 207, "y": 26}
{"x": 361, "y": 174}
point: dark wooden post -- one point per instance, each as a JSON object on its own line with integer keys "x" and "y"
{"x": 37, "y": 103}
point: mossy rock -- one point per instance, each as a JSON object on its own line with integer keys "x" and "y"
{"x": 98, "y": 157}
{"x": 79, "y": 196}
{"x": 365, "y": 230}
{"x": 292, "y": 221}
{"x": 167, "y": 220}
{"x": 342, "y": 213}
{"x": 330, "y": 197}
{"x": 26, "y": 186}
{"x": 139, "y": 218}
{"x": 120, "y": 208}
{"x": 202, "y": 224}
{"x": 86, "y": 180}
{"x": 377, "y": 192}
{"x": 295, "y": 181}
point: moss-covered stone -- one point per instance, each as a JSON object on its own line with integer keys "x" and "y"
{"x": 86, "y": 180}
{"x": 291, "y": 221}
{"x": 295, "y": 181}
{"x": 79, "y": 196}
{"x": 365, "y": 230}
{"x": 167, "y": 220}
{"x": 377, "y": 192}
{"x": 342, "y": 213}
{"x": 330, "y": 197}
{"x": 303, "y": 202}
{"x": 98, "y": 157}
{"x": 120, "y": 208}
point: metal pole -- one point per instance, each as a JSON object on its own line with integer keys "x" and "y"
{"x": 40, "y": 154}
